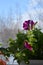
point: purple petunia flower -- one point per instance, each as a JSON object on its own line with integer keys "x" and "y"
{"x": 28, "y": 46}
{"x": 27, "y": 25}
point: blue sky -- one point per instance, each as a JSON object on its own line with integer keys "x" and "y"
{"x": 5, "y": 5}
{"x": 33, "y": 7}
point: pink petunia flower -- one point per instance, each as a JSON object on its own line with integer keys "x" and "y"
{"x": 28, "y": 46}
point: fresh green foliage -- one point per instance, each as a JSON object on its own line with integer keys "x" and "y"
{"x": 17, "y": 47}
{"x": 20, "y": 52}
{"x": 38, "y": 46}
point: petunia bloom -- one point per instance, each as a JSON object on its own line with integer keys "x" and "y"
{"x": 27, "y": 25}
{"x": 28, "y": 46}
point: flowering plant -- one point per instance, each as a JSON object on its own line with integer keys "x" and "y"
{"x": 22, "y": 46}
{"x": 27, "y": 43}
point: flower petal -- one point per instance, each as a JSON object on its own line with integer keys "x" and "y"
{"x": 27, "y": 25}
{"x": 28, "y": 46}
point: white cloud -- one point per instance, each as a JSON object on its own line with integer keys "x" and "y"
{"x": 33, "y": 3}
{"x": 32, "y": 14}
{"x": 35, "y": 14}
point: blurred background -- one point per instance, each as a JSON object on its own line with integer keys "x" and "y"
{"x": 14, "y": 12}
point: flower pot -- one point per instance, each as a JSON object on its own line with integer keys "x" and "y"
{"x": 23, "y": 63}
{"x": 33, "y": 62}
{"x": 36, "y": 62}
